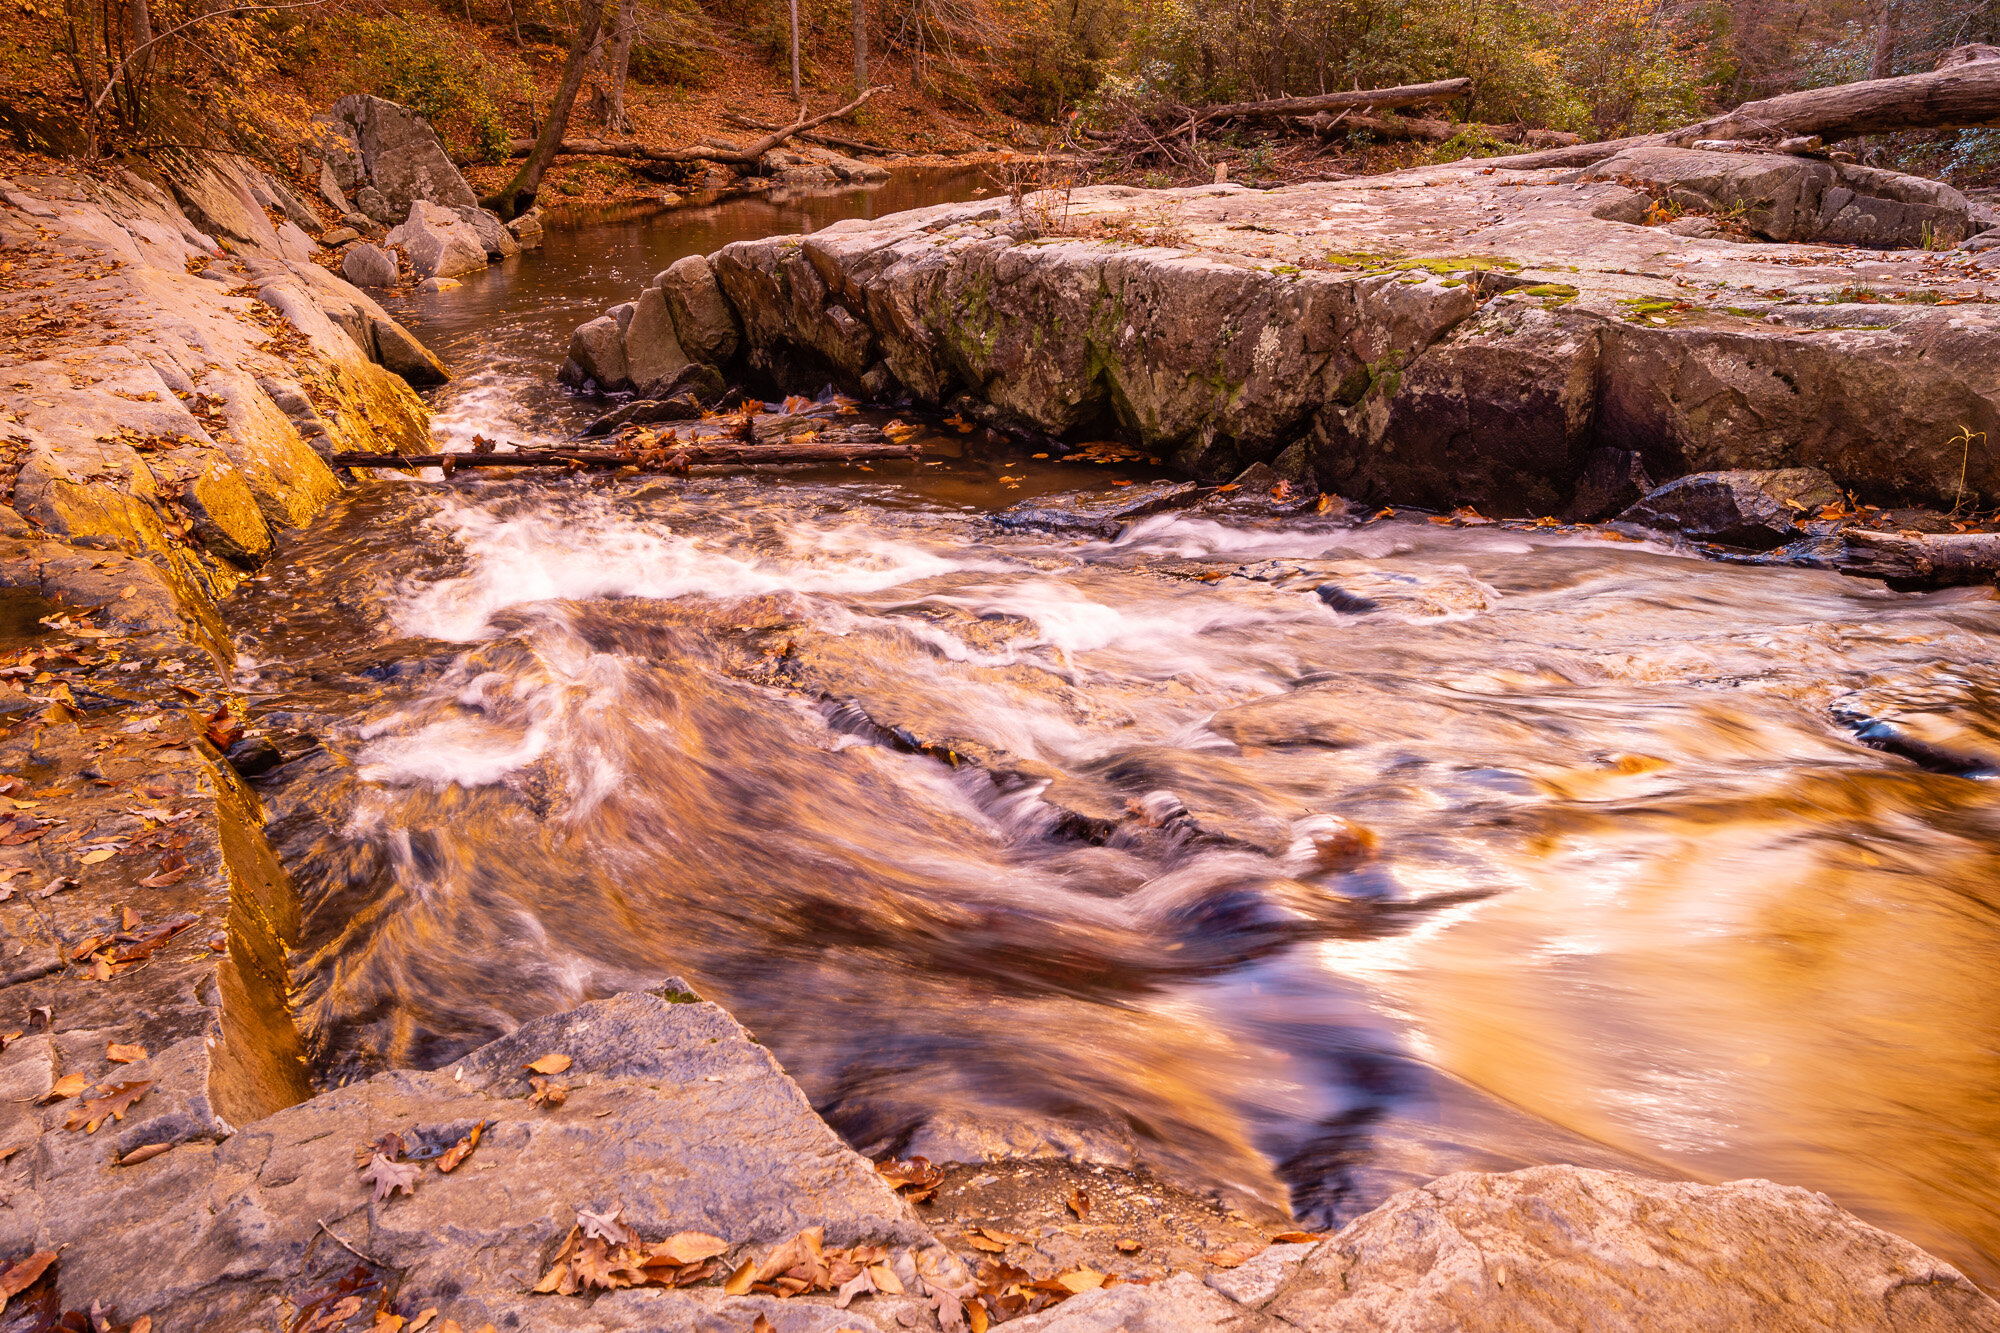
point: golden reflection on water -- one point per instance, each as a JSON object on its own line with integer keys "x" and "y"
{"x": 1800, "y": 987}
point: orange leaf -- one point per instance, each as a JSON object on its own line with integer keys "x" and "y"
{"x": 691, "y": 1247}
{"x": 20, "y": 1276}
{"x": 145, "y": 1152}
{"x": 550, "y": 1064}
{"x": 461, "y": 1150}
{"x": 114, "y": 1102}
{"x": 123, "y": 1055}
{"x": 67, "y": 1086}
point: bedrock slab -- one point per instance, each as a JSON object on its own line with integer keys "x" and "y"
{"x": 1457, "y": 335}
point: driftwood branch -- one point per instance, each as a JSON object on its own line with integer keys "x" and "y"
{"x": 660, "y": 458}
{"x": 1949, "y": 558}
{"x": 698, "y": 153}
{"x": 1382, "y": 99}
{"x": 813, "y": 136}
{"x": 1963, "y": 92}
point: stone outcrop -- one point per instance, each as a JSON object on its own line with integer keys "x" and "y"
{"x": 1785, "y": 198}
{"x": 1566, "y": 1247}
{"x": 367, "y": 265}
{"x": 680, "y": 318}
{"x": 439, "y": 242}
{"x": 673, "y": 1121}
{"x": 383, "y": 157}
{"x": 1454, "y": 335}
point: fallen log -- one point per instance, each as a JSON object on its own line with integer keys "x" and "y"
{"x": 1963, "y": 92}
{"x": 661, "y": 457}
{"x": 813, "y": 136}
{"x": 741, "y": 157}
{"x": 1944, "y": 559}
{"x": 1381, "y": 99}
{"x": 1324, "y": 126}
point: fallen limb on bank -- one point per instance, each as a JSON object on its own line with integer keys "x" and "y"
{"x": 658, "y": 457}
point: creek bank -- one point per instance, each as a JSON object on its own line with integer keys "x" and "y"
{"x": 1452, "y": 336}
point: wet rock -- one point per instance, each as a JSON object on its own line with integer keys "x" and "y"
{"x": 646, "y": 411}
{"x": 704, "y": 382}
{"x": 673, "y": 1115}
{"x": 368, "y": 265}
{"x": 381, "y": 153}
{"x": 438, "y": 284}
{"x": 491, "y": 231}
{"x": 226, "y": 516}
{"x": 1787, "y": 198}
{"x": 400, "y": 351}
{"x": 440, "y": 244}
{"x": 1613, "y": 480}
{"x": 1345, "y": 602}
{"x": 704, "y": 320}
{"x": 1565, "y": 1247}
{"x": 253, "y": 755}
{"x": 527, "y": 229}
{"x": 1099, "y": 514}
{"x": 597, "y": 357}
{"x": 1752, "y": 509}
{"x": 652, "y": 350}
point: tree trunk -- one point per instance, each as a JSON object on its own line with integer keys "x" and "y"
{"x": 1886, "y": 24}
{"x": 1962, "y": 92}
{"x": 860, "y": 45}
{"x": 519, "y": 193}
{"x": 139, "y": 28}
{"x": 622, "y": 38}
{"x": 797, "y": 89}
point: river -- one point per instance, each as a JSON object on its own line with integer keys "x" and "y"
{"x": 1298, "y": 860}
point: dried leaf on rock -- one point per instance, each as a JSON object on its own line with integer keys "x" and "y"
{"x": 1081, "y": 1280}
{"x": 550, "y": 1064}
{"x": 690, "y": 1247}
{"x": 390, "y": 1145}
{"x": 916, "y": 1177}
{"x": 762, "y": 1325}
{"x": 423, "y": 1319}
{"x": 1232, "y": 1256}
{"x": 67, "y": 1086}
{"x": 461, "y": 1150}
{"x": 547, "y": 1092}
{"x": 145, "y": 1152}
{"x": 605, "y": 1226}
{"x": 387, "y": 1177}
{"x": 1129, "y": 1247}
{"x": 1296, "y": 1238}
{"x": 123, "y": 1055}
{"x": 114, "y": 1102}
{"x": 21, "y": 1274}
{"x": 1079, "y": 1203}
{"x": 739, "y": 1281}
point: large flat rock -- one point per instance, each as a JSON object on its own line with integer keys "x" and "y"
{"x": 1453, "y": 335}
{"x": 674, "y": 1116}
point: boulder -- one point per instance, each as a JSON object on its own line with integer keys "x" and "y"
{"x": 1741, "y": 507}
{"x": 652, "y": 351}
{"x": 704, "y": 382}
{"x": 367, "y": 265}
{"x": 1563, "y": 1247}
{"x": 704, "y": 319}
{"x": 597, "y": 357}
{"x": 1786, "y": 198}
{"x": 492, "y": 232}
{"x": 369, "y": 144}
{"x": 646, "y": 411}
{"x": 339, "y": 236}
{"x": 527, "y": 229}
{"x": 439, "y": 242}
{"x": 1099, "y": 514}
{"x": 399, "y": 351}
{"x": 330, "y": 191}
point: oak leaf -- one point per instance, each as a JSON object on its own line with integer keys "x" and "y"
{"x": 605, "y": 1227}
{"x": 387, "y": 1177}
{"x": 114, "y": 1102}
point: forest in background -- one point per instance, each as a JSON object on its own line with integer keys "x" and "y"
{"x": 86, "y": 76}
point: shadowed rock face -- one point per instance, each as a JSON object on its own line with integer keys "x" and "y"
{"x": 1449, "y": 336}
{"x": 367, "y": 143}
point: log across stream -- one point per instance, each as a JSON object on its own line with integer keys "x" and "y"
{"x": 1297, "y": 858}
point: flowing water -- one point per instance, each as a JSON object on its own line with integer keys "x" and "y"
{"x": 1296, "y": 859}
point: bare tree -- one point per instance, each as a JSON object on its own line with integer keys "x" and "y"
{"x": 624, "y": 33}
{"x": 1887, "y": 20}
{"x": 519, "y": 193}
{"x": 860, "y": 44}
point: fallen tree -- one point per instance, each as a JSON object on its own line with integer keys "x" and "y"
{"x": 1379, "y": 99}
{"x": 1916, "y": 558}
{"x": 1963, "y": 92}
{"x": 1324, "y": 126}
{"x": 699, "y": 152}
